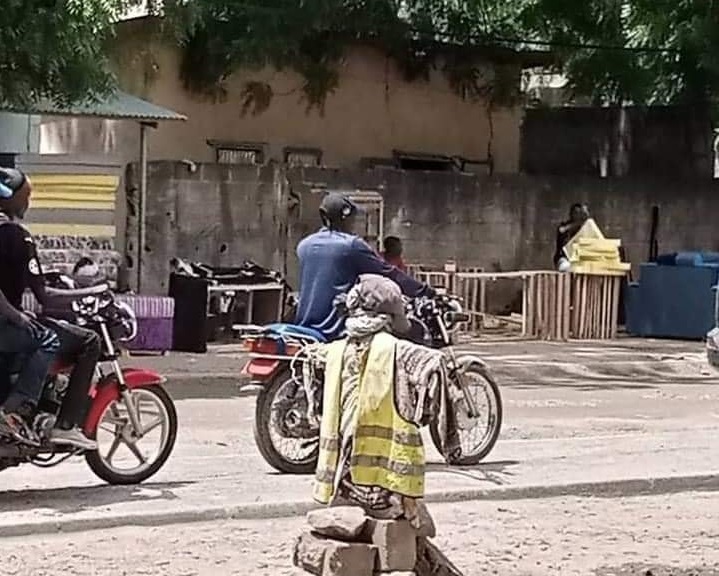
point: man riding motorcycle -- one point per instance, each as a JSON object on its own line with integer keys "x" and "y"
{"x": 331, "y": 261}
{"x": 24, "y": 338}
{"x": 21, "y": 270}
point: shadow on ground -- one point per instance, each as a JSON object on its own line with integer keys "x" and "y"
{"x": 77, "y": 499}
{"x": 496, "y": 473}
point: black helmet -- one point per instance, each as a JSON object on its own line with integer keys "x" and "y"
{"x": 11, "y": 180}
{"x": 336, "y": 207}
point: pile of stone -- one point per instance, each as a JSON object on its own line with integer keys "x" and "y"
{"x": 344, "y": 541}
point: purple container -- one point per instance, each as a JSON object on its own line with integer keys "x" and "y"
{"x": 154, "y": 322}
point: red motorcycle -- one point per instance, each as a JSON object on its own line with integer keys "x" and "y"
{"x": 131, "y": 416}
{"x": 289, "y": 441}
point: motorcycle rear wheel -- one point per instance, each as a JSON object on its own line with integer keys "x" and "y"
{"x": 267, "y": 413}
{"x": 490, "y": 419}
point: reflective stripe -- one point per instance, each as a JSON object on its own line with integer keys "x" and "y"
{"x": 401, "y": 468}
{"x": 325, "y": 475}
{"x": 332, "y": 444}
{"x": 397, "y": 436}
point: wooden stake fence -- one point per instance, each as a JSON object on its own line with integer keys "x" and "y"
{"x": 555, "y": 305}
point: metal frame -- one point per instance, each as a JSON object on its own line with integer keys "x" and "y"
{"x": 371, "y": 200}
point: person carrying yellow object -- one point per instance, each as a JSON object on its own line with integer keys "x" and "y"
{"x": 378, "y": 391}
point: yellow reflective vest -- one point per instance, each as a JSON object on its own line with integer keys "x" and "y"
{"x": 387, "y": 450}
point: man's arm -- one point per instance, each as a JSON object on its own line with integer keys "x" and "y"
{"x": 368, "y": 262}
{"x": 33, "y": 271}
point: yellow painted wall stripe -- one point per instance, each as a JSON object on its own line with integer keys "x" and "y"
{"x": 70, "y": 205}
{"x": 97, "y": 180}
{"x": 95, "y": 230}
{"x": 74, "y": 194}
{"x": 75, "y": 191}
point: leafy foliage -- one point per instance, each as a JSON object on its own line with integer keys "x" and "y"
{"x": 667, "y": 50}
{"x": 311, "y": 36}
{"x": 616, "y": 51}
{"x": 56, "y": 49}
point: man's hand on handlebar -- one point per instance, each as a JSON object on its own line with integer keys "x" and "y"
{"x": 430, "y": 292}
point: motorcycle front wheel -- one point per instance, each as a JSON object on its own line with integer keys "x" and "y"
{"x": 124, "y": 457}
{"x": 479, "y": 432}
{"x": 282, "y": 433}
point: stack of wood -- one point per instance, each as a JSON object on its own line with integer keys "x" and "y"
{"x": 597, "y": 256}
{"x": 589, "y": 252}
{"x": 598, "y": 271}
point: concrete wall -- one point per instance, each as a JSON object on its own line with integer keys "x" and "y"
{"x": 219, "y": 215}
{"x": 373, "y": 112}
{"x": 223, "y": 215}
{"x": 669, "y": 142}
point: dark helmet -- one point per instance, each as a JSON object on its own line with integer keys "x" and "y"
{"x": 11, "y": 180}
{"x": 336, "y": 207}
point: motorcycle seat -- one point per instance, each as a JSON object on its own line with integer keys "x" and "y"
{"x": 292, "y": 330}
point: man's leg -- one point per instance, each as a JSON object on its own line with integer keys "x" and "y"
{"x": 38, "y": 347}
{"x": 40, "y": 344}
{"x": 82, "y": 348}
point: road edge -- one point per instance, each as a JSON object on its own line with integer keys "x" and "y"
{"x": 274, "y": 510}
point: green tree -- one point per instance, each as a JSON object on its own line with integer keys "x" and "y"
{"x": 639, "y": 51}
{"x": 311, "y": 36}
{"x": 614, "y": 51}
{"x": 56, "y": 49}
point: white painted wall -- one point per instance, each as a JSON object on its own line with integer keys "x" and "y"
{"x": 19, "y": 133}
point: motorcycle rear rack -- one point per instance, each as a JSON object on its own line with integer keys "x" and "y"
{"x": 280, "y": 357}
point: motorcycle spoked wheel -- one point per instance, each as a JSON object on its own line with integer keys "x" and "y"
{"x": 478, "y": 379}
{"x": 286, "y": 453}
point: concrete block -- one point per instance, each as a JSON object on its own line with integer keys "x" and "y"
{"x": 396, "y": 543}
{"x": 324, "y": 557}
{"x": 420, "y": 519}
{"x": 342, "y": 522}
{"x": 345, "y": 559}
{"x": 309, "y": 553}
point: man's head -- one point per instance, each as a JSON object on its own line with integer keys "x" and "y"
{"x": 15, "y": 190}
{"x": 392, "y": 247}
{"x": 337, "y": 212}
{"x": 579, "y": 212}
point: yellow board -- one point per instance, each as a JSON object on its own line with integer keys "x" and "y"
{"x": 93, "y": 230}
{"x": 74, "y": 191}
{"x": 601, "y": 270}
{"x": 589, "y": 252}
{"x": 600, "y": 243}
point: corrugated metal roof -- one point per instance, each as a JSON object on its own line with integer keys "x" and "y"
{"x": 119, "y": 106}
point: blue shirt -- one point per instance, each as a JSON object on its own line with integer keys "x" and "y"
{"x": 330, "y": 264}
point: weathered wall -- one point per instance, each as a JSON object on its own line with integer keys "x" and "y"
{"x": 671, "y": 142}
{"x": 500, "y": 223}
{"x": 119, "y": 139}
{"x": 220, "y": 215}
{"x": 372, "y": 112}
